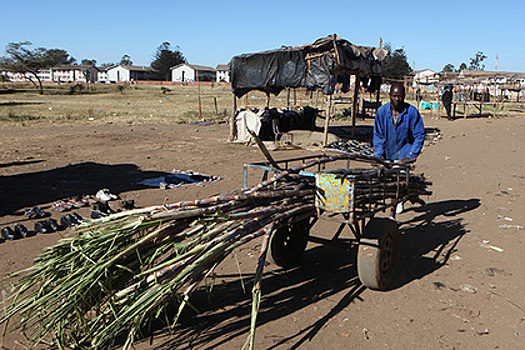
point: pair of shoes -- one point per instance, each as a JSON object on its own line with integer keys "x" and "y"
{"x": 101, "y": 209}
{"x": 47, "y": 226}
{"x": 20, "y": 231}
{"x": 35, "y": 213}
{"x": 9, "y": 234}
{"x": 23, "y": 231}
{"x": 127, "y": 204}
{"x": 69, "y": 220}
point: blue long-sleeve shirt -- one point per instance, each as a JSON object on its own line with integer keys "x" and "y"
{"x": 402, "y": 140}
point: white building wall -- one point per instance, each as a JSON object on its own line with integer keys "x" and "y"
{"x": 103, "y": 77}
{"x": 68, "y": 76}
{"x": 118, "y": 74}
{"x": 183, "y": 73}
{"x": 223, "y": 75}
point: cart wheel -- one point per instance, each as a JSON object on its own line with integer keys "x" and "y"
{"x": 288, "y": 243}
{"x": 378, "y": 253}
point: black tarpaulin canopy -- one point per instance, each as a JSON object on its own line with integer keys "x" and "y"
{"x": 308, "y": 66}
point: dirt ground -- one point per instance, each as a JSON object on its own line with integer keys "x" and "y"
{"x": 460, "y": 281}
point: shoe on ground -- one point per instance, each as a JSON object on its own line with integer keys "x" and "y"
{"x": 42, "y": 226}
{"x": 23, "y": 232}
{"x": 399, "y": 208}
{"x": 36, "y": 213}
{"x": 9, "y": 234}
{"x": 127, "y": 204}
{"x": 105, "y": 196}
{"x": 54, "y": 226}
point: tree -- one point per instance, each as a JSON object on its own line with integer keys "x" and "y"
{"x": 88, "y": 62}
{"x": 448, "y": 68}
{"x": 395, "y": 65}
{"x": 476, "y": 62}
{"x": 126, "y": 60}
{"x": 462, "y": 66}
{"x": 165, "y": 58}
{"x": 59, "y": 56}
{"x": 21, "y": 58}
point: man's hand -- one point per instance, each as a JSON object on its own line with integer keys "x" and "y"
{"x": 408, "y": 160}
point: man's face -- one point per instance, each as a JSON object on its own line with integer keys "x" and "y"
{"x": 397, "y": 98}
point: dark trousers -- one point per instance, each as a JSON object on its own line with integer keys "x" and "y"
{"x": 448, "y": 108}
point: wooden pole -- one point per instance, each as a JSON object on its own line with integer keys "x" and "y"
{"x": 287, "y": 97}
{"x": 354, "y": 103}
{"x": 216, "y": 107}
{"x": 495, "y": 96}
{"x": 267, "y": 99}
{"x": 246, "y": 101}
{"x": 294, "y": 97}
{"x": 233, "y": 131}
{"x": 198, "y": 93}
{"x": 327, "y": 121}
{"x": 300, "y": 96}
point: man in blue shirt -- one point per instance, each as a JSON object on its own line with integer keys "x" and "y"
{"x": 399, "y": 132}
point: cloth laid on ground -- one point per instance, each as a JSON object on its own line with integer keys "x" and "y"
{"x": 178, "y": 178}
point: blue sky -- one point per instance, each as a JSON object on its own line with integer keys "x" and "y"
{"x": 433, "y": 33}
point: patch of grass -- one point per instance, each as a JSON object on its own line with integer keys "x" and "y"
{"x": 12, "y": 117}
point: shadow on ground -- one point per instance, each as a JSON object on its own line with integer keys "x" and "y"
{"x": 225, "y": 313}
{"x": 31, "y": 189}
{"x": 431, "y": 237}
{"x": 17, "y": 103}
{"x": 427, "y": 242}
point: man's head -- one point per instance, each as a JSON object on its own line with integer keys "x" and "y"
{"x": 397, "y": 97}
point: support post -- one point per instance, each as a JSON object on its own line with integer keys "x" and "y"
{"x": 233, "y": 131}
{"x": 327, "y": 121}
{"x": 198, "y": 93}
{"x": 354, "y": 103}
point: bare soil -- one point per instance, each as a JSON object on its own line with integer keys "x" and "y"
{"x": 456, "y": 243}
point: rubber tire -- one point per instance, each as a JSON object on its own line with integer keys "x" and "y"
{"x": 378, "y": 253}
{"x": 288, "y": 243}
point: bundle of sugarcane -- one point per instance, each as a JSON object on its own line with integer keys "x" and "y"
{"x": 377, "y": 184}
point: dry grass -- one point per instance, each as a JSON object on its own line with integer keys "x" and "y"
{"x": 21, "y": 103}
{"x": 130, "y": 103}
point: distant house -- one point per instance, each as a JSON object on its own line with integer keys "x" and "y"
{"x": 129, "y": 73}
{"x": 60, "y": 74}
{"x": 16, "y": 77}
{"x": 103, "y": 75}
{"x": 190, "y": 72}
{"x": 223, "y": 73}
{"x": 71, "y": 73}
{"x": 425, "y": 77}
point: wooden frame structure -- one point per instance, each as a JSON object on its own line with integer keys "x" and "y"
{"x": 326, "y": 57}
